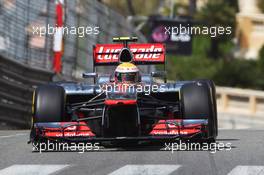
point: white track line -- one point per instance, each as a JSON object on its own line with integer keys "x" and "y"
{"x": 8, "y": 136}
{"x": 247, "y": 170}
{"x": 145, "y": 170}
{"x": 31, "y": 169}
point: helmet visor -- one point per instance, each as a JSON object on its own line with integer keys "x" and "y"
{"x": 127, "y": 77}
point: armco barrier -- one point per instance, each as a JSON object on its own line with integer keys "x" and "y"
{"x": 16, "y": 86}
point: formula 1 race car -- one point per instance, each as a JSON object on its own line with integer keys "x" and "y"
{"x": 126, "y": 105}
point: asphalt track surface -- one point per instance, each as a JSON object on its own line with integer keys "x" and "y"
{"x": 245, "y": 157}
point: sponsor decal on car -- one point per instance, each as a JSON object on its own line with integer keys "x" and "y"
{"x": 108, "y": 53}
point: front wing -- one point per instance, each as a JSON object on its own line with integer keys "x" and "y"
{"x": 78, "y": 131}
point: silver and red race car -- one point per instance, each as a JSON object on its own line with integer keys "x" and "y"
{"x": 126, "y": 105}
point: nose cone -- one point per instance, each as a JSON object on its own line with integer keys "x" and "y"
{"x": 121, "y": 98}
{"x": 119, "y": 102}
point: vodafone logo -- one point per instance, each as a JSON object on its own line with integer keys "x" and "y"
{"x": 140, "y": 52}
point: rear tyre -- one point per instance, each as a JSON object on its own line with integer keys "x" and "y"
{"x": 49, "y": 104}
{"x": 199, "y": 102}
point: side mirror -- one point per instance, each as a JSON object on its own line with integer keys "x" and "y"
{"x": 89, "y": 75}
{"x": 159, "y": 74}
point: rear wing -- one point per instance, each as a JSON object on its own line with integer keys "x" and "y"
{"x": 143, "y": 54}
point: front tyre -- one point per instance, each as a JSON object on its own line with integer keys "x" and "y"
{"x": 49, "y": 104}
{"x": 199, "y": 102}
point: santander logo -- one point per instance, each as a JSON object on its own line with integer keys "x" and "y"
{"x": 141, "y": 53}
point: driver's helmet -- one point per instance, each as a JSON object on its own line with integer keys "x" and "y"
{"x": 127, "y": 72}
